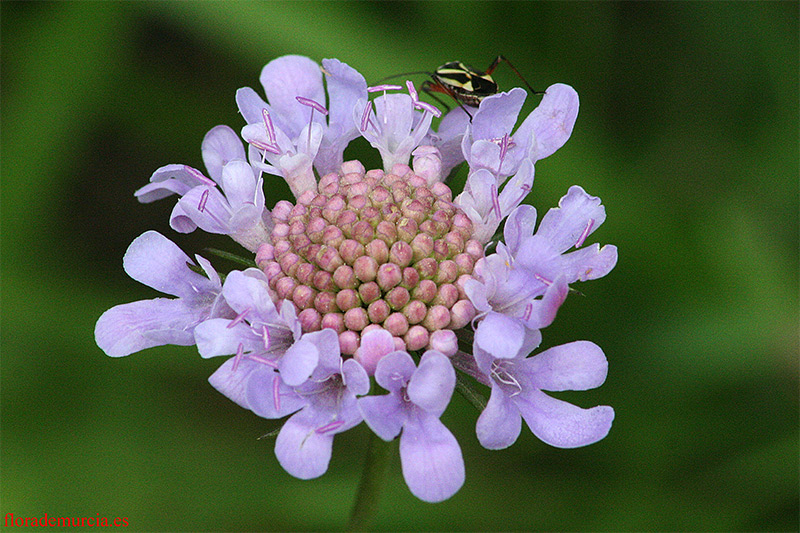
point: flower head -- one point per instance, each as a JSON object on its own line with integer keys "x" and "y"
{"x": 377, "y": 274}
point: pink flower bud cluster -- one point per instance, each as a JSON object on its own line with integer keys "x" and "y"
{"x": 373, "y": 249}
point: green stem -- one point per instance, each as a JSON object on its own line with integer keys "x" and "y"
{"x": 376, "y": 467}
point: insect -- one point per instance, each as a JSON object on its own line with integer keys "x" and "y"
{"x": 465, "y": 85}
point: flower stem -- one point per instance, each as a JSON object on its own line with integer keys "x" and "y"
{"x": 376, "y": 467}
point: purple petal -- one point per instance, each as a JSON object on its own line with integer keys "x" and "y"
{"x": 355, "y": 377}
{"x": 499, "y": 424}
{"x": 383, "y": 414}
{"x": 432, "y": 384}
{"x": 248, "y": 294}
{"x": 519, "y": 225}
{"x": 578, "y": 365}
{"x": 591, "y": 262}
{"x": 206, "y": 208}
{"x": 216, "y": 337}
{"x": 220, "y": 145}
{"x": 167, "y": 180}
{"x": 562, "y": 424}
{"x": 132, "y": 327}
{"x": 284, "y": 79}
{"x": 233, "y": 383}
{"x": 552, "y": 121}
{"x": 374, "y": 345}
{"x": 298, "y": 362}
{"x": 326, "y": 342}
{"x": 500, "y": 335}
{"x": 566, "y": 225}
{"x": 265, "y": 393}
{"x": 431, "y": 459}
{"x": 157, "y": 262}
{"x": 300, "y": 449}
{"x": 497, "y": 114}
{"x": 541, "y": 313}
{"x": 394, "y": 371}
{"x": 250, "y": 105}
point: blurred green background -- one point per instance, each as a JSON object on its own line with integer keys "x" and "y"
{"x": 688, "y": 131}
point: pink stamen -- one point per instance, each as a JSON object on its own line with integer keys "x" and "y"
{"x": 330, "y": 427}
{"x": 263, "y": 360}
{"x": 525, "y": 190}
{"x": 276, "y": 396}
{"x": 433, "y": 110}
{"x": 196, "y": 174}
{"x": 239, "y": 353}
{"x": 543, "y": 280}
{"x": 203, "y": 199}
{"x": 412, "y": 91}
{"x": 273, "y": 139}
{"x": 379, "y": 88}
{"x": 527, "y": 314}
{"x": 312, "y": 104}
{"x": 585, "y": 233}
{"x": 238, "y": 318}
{"x": 266, "y": 147}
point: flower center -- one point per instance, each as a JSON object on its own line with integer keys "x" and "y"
{"x": 374, "y": 248}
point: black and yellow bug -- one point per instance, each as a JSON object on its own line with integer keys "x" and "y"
{"x": 465, "y": 85}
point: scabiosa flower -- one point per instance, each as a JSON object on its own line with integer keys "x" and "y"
{"x": 377, "y": 274}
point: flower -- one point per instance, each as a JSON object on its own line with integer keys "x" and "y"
{"x": 157, "y": 262}
{"x": 430, "y": 456}
{"x": 239, "y": 212}
{"x": 377, "y": 273}
{"x": 517, "y": 384}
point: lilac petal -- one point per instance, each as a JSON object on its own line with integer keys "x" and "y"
{"x": 300, "y": 449}
{"x": 476, "y": 292}
{"x": 298, "y": 362}
{"x": 497, "y": 114}
{"x": 562, "y": 424}
{"x": 552, "y": 121}
{"x": 448, "y": 138}
{"x": 500, "y": 335}
{"x": 132, "y": 327}
{"x": 248, "y": 294}
{"x": 220, "y": 145}
{"x": 519, "y": 225}
{"x": 157, "y": 262}
{"x": 156, "y": 191}
{"x": 383, "y": 414}
{"x": 283, "y": 80}
{"x": 541, "y": 313}
{"x": 591, "y": 262}
{"x": 216, "y": 337}
{"x": 265, "y": 396}
{"x": 167, "y": 180}
{"x": 431, "y": 459}
{"x": 326, "y": 342}
{"x": 251, "y": 105}
{"x": 206, "y": 208}
{"x": 374, "y": 345}
{"x": 432, "y": 384}
{"x": 500, "y": 424}
{"x": 579, "y": 365}
{"x": 233, "y": 383}
{"x": 394, "y": 371}
{"x": 517, "y": 188}
{"x": 566, "y": 225}
{"x": 355, "y": 377}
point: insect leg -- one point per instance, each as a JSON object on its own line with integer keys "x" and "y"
{"x": 501, "y": 59}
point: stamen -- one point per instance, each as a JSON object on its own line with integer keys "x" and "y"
{"x": 203, "y": 199}
{"x": 239, "y": 353}
{"x": 196, "y": 174}
{"x": 238, "y": 318}
{"x": 270, "y": 128}
{"x": 276, "y": 397}
{"x": 543, "y": 279}
{"x": 263, "y": 360}
{"x": 379, "y": 88}
{"x": 433, "y": 110}
{"x": 412, "y": 91}
{"x": 525, "y": 190}
{"x": 527, "y": 314}
{"x": 500, "y": 374}
{"x": 330, "y": 427}
{"x": 265, "y": 147}
{"x": 496, "y": 201}
{"x": 585, "y": 233}
{"x": 312, "y": 104}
